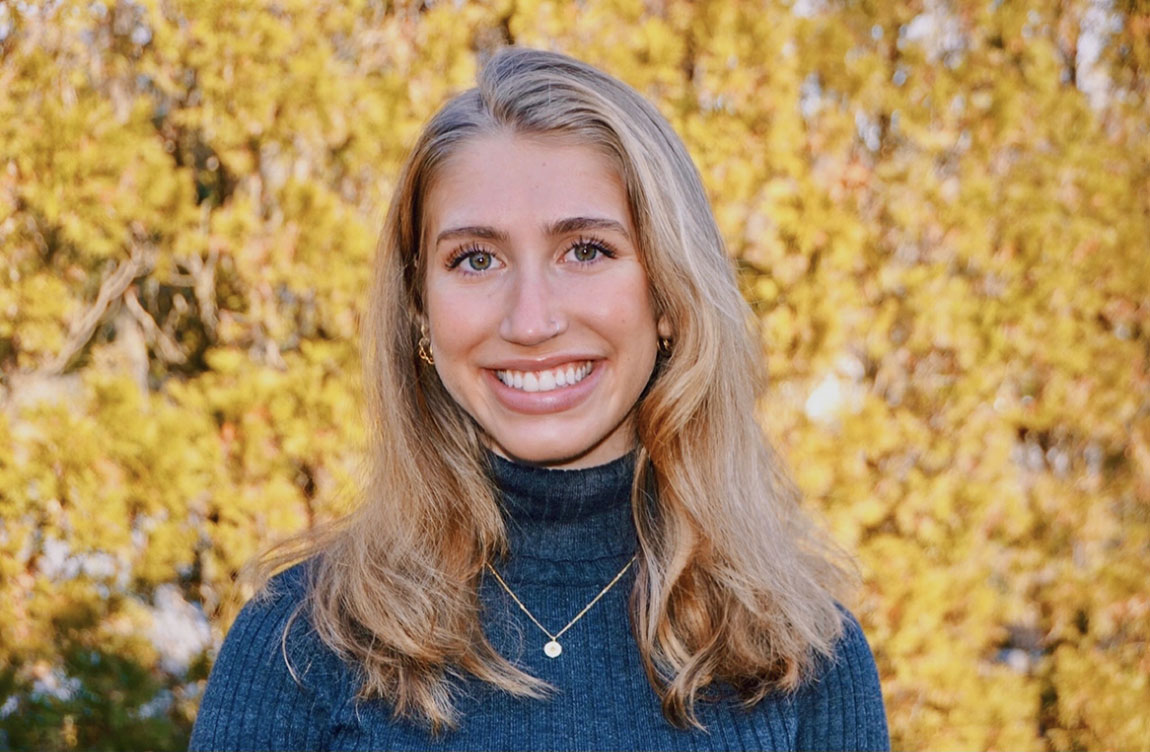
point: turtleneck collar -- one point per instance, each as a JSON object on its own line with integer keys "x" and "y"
{"x": 565, "y": 521}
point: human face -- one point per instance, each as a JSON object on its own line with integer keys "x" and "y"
{"x": 539, "y": 316}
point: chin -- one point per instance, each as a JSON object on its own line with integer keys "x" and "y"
{"x": 544, "y": 455}
{"x": 555, "y": 454}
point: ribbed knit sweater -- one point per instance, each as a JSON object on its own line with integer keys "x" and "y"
{"x": 570, "y": 532}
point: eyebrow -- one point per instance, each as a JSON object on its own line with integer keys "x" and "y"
{"x": 471, "y": 231}
{"x": 579, "y": 224}
{"x": 559, "y": 227}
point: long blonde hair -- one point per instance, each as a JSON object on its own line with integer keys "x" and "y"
{"x": 733, "y": 582}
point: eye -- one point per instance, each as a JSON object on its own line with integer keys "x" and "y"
{"x": 586, "y": 250}
{"x": 473, "y": 259}
{"x": 478, "y": 261}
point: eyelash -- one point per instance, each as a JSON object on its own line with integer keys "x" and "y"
{"x": 603, "y": 248}
{"x": 461, "y": 254}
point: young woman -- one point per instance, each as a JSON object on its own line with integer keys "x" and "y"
{"x": 574, "y": 534}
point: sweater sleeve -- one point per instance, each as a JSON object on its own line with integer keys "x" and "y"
{"x": 842, "y": 708}
{"x": 252, "y": 701}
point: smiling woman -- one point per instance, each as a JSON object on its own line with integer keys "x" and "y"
{"x": 574, "y": 534}
{"x": 535, "y": 275}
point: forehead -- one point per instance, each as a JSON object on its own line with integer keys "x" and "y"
{"x": 507, "y": 178}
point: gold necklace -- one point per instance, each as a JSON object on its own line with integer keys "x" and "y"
{"x": 553, "y": 649}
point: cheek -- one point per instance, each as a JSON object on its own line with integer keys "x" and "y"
{"x": 451, "y": 344}
{"x": 626, "y": 307}
{"x": 624, "y": 316}
{"x": 462, "y": 320}
{"x": 456, "y": 316}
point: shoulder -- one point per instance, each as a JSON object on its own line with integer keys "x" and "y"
{"x": 275, "y": 630}
{"x": 852, "y": 648}
{"x": 841, "y": 705}
{"x": 265, "y": 624}
{"x": 272, "y": 673}
{"x": 288, "y": 587}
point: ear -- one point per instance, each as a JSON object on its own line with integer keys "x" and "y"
{"x": 663, "y": 326}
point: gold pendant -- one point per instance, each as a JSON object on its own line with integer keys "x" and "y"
{"x": 552, "y": 649}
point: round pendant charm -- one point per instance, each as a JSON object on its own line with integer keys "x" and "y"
{"x": 552, "y": 649}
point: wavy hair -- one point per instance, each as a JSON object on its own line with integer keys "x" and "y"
{"x": 734, "y": 583}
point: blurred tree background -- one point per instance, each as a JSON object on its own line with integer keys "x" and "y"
{"x": 940, "y": 210}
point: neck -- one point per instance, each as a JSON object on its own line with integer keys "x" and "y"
{"x": 565, "y": 523}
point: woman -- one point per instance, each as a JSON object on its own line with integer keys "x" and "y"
{"x": 574, "y": 534}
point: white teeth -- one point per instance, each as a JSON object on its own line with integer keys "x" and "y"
{"x": 544, "y": 381}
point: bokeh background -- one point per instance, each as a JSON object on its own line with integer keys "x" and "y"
{"x": 939, "y": 209}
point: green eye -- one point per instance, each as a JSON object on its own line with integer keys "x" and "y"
{"x": 585, "y": 252}
{"x": 479, "y": 261}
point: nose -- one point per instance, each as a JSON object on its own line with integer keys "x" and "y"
{"x": 533, "y": 313}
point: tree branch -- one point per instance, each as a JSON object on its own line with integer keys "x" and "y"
{"x": 165, "y": 345}
{"x": 141, "y": 262}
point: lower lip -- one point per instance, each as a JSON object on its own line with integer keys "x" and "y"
{"x": 540, "y": 403}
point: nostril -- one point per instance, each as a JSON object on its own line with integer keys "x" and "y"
{"x": 530, "y": 322}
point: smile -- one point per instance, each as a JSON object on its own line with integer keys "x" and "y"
{"x": 545, "y": 381}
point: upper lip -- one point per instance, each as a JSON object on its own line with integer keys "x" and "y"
{"x": 541, "y": 364}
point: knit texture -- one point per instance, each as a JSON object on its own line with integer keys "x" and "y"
{"x": 570, "y": 532}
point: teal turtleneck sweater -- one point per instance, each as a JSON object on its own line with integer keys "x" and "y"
{"x": 570, "y": 532}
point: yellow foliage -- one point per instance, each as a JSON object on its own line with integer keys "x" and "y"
{"x": 939, "y": 215}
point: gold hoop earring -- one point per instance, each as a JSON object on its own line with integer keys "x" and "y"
{"x": 664, "y": 346}
{"x": 425, "y": 349}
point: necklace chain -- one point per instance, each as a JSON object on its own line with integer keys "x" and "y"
{"x": 552, "y": 649}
